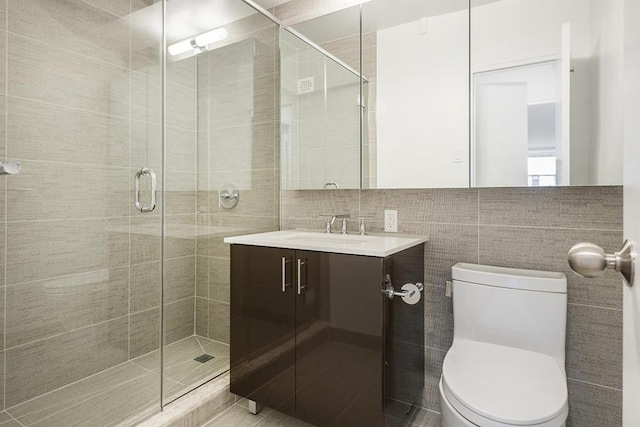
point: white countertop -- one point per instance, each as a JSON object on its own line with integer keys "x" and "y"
{"x": 378, "y": 245}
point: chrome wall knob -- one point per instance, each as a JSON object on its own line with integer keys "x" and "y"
{"x": 590, "y": 260}
{"x": 10, "y": 167}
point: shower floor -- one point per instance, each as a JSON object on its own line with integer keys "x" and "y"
{"x": 115, "y": 395}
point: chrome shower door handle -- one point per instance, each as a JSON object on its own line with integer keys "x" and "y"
{"x": 136, "y": 191}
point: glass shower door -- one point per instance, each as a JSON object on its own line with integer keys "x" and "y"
{"x": 221, "y": 125}
{"x": 80, "y": 287}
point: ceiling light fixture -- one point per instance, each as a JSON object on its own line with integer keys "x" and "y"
{"x": 199, "y": 42}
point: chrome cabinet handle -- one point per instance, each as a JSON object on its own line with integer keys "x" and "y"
{"x": 136, "y": 192}
{"x": 285, "y": 261}
{"x": 589, "y": 260}
{"x": 300, "y": 264}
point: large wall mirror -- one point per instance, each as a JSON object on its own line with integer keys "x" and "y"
{"x": 459, "y": 93}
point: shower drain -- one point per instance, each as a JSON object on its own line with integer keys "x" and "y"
{"x": 204, "y": 358}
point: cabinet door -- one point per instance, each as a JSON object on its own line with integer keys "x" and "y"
{"x": 339, "y": 339}
{"x": 263, "y": 326}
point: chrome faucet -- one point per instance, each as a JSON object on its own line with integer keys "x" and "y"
{"x": 332, "y": 218}
{"x": 362, "y": 230}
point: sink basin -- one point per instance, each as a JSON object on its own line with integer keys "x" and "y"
{"x": 379, "y": 245}
{"x": 324, "y": 238}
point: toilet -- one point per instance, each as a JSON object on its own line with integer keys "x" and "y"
{"x": 506, "y": 364}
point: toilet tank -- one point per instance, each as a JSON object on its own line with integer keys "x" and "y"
{"x": 525, "y": 309}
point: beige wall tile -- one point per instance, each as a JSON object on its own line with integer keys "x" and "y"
{"x": 244, "y": 102}
{"x": 46, "y": 73}
{"x": 438, "y": 318}
{"x": 42, "y": 309}
{"x": 144, "y": 241}
{"x": 145, "y": 332}
{"x": 231, "y": 63}
{"x": 181, "y": 150}
{"x": 119, "y": 7}
{"x": 43, "y": 366}
{"x": 256, "y": 187}
{"x": 3, "y": 14}
{"x": 565, "y": 207}
{"x": 546, "y": 249}
{"x": 301, "y": 10}
{"x": 146, "y": 145}
{"x": 594, "y": 345}
{"x": 448, "y": 244}
{"x": 219, "y": 321}
{"x": 180, "y": 192}
{"x": 45, "y": 191}
{"x": 2, "y": 370}
{"x": 67, "y": 135}
{"x": 73, "y": 25}
{"x": 145, "y": 286}
{"x": 179, "y": 321}
{"x": 184, "y": 72}
{"x": 202, "y": 276}
{"x": 408, "y": 203}
{"x": 311, "y": 204}
{"x": 3, "y": 126}
{"x": 146, "y": 98}
{"x": 219, "y": 279}
{"x": 433, "y": 360}
{"x": 202, "y": 317}
{"x": 3, "y": 59}
{"x": 180, "y": 236}
{"x": 593, "y": 406}
{"x": 2, "y": 317}
{"x": 243, "y": 147}
{"x": 3, "y": 254}
{"x": 41, "y": 250}
{"x": 179, "y": 279}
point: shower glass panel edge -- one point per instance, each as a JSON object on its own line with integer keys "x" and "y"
{"x": 221, "y": 127}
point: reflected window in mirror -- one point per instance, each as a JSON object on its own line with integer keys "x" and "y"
{"x": 546, "y": 92}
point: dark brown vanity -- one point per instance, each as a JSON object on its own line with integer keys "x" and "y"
{"x": 313, "y": 335}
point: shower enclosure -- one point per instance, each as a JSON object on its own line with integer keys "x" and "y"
{"x": 114, "y": 297}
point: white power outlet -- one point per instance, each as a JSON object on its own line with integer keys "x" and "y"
{"x": 391, "y": 220}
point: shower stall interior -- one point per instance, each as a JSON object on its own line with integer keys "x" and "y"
{"x": 114, "y": 297}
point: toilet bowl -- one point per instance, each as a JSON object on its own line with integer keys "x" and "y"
{"x": 506, "y": 364}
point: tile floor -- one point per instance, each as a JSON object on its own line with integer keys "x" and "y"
{"x": 238, "y": 416}
{"x": 111, "y": 397}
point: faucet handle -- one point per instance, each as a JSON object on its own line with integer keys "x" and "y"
{"x": 330, "y": 220}
{"x": 362, "y": 219}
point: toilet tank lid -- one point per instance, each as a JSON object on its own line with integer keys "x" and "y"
{"x": 513, "y": 278}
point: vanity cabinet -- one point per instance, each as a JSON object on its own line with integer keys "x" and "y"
{"x": 313, "y": 336}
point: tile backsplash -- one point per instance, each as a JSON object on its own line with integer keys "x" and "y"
{"x": 513, "y": 227}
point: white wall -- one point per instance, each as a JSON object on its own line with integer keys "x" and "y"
{"x": 631, "y": 295}
{"x": 607, "y": 104}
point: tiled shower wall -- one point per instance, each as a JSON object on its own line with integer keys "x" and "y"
{"x": 80, "y": 109}
{"x": 513, "y": 227}
{"x": 238, "y": 130}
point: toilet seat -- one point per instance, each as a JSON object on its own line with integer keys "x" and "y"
{"x": 492, "y": 385}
